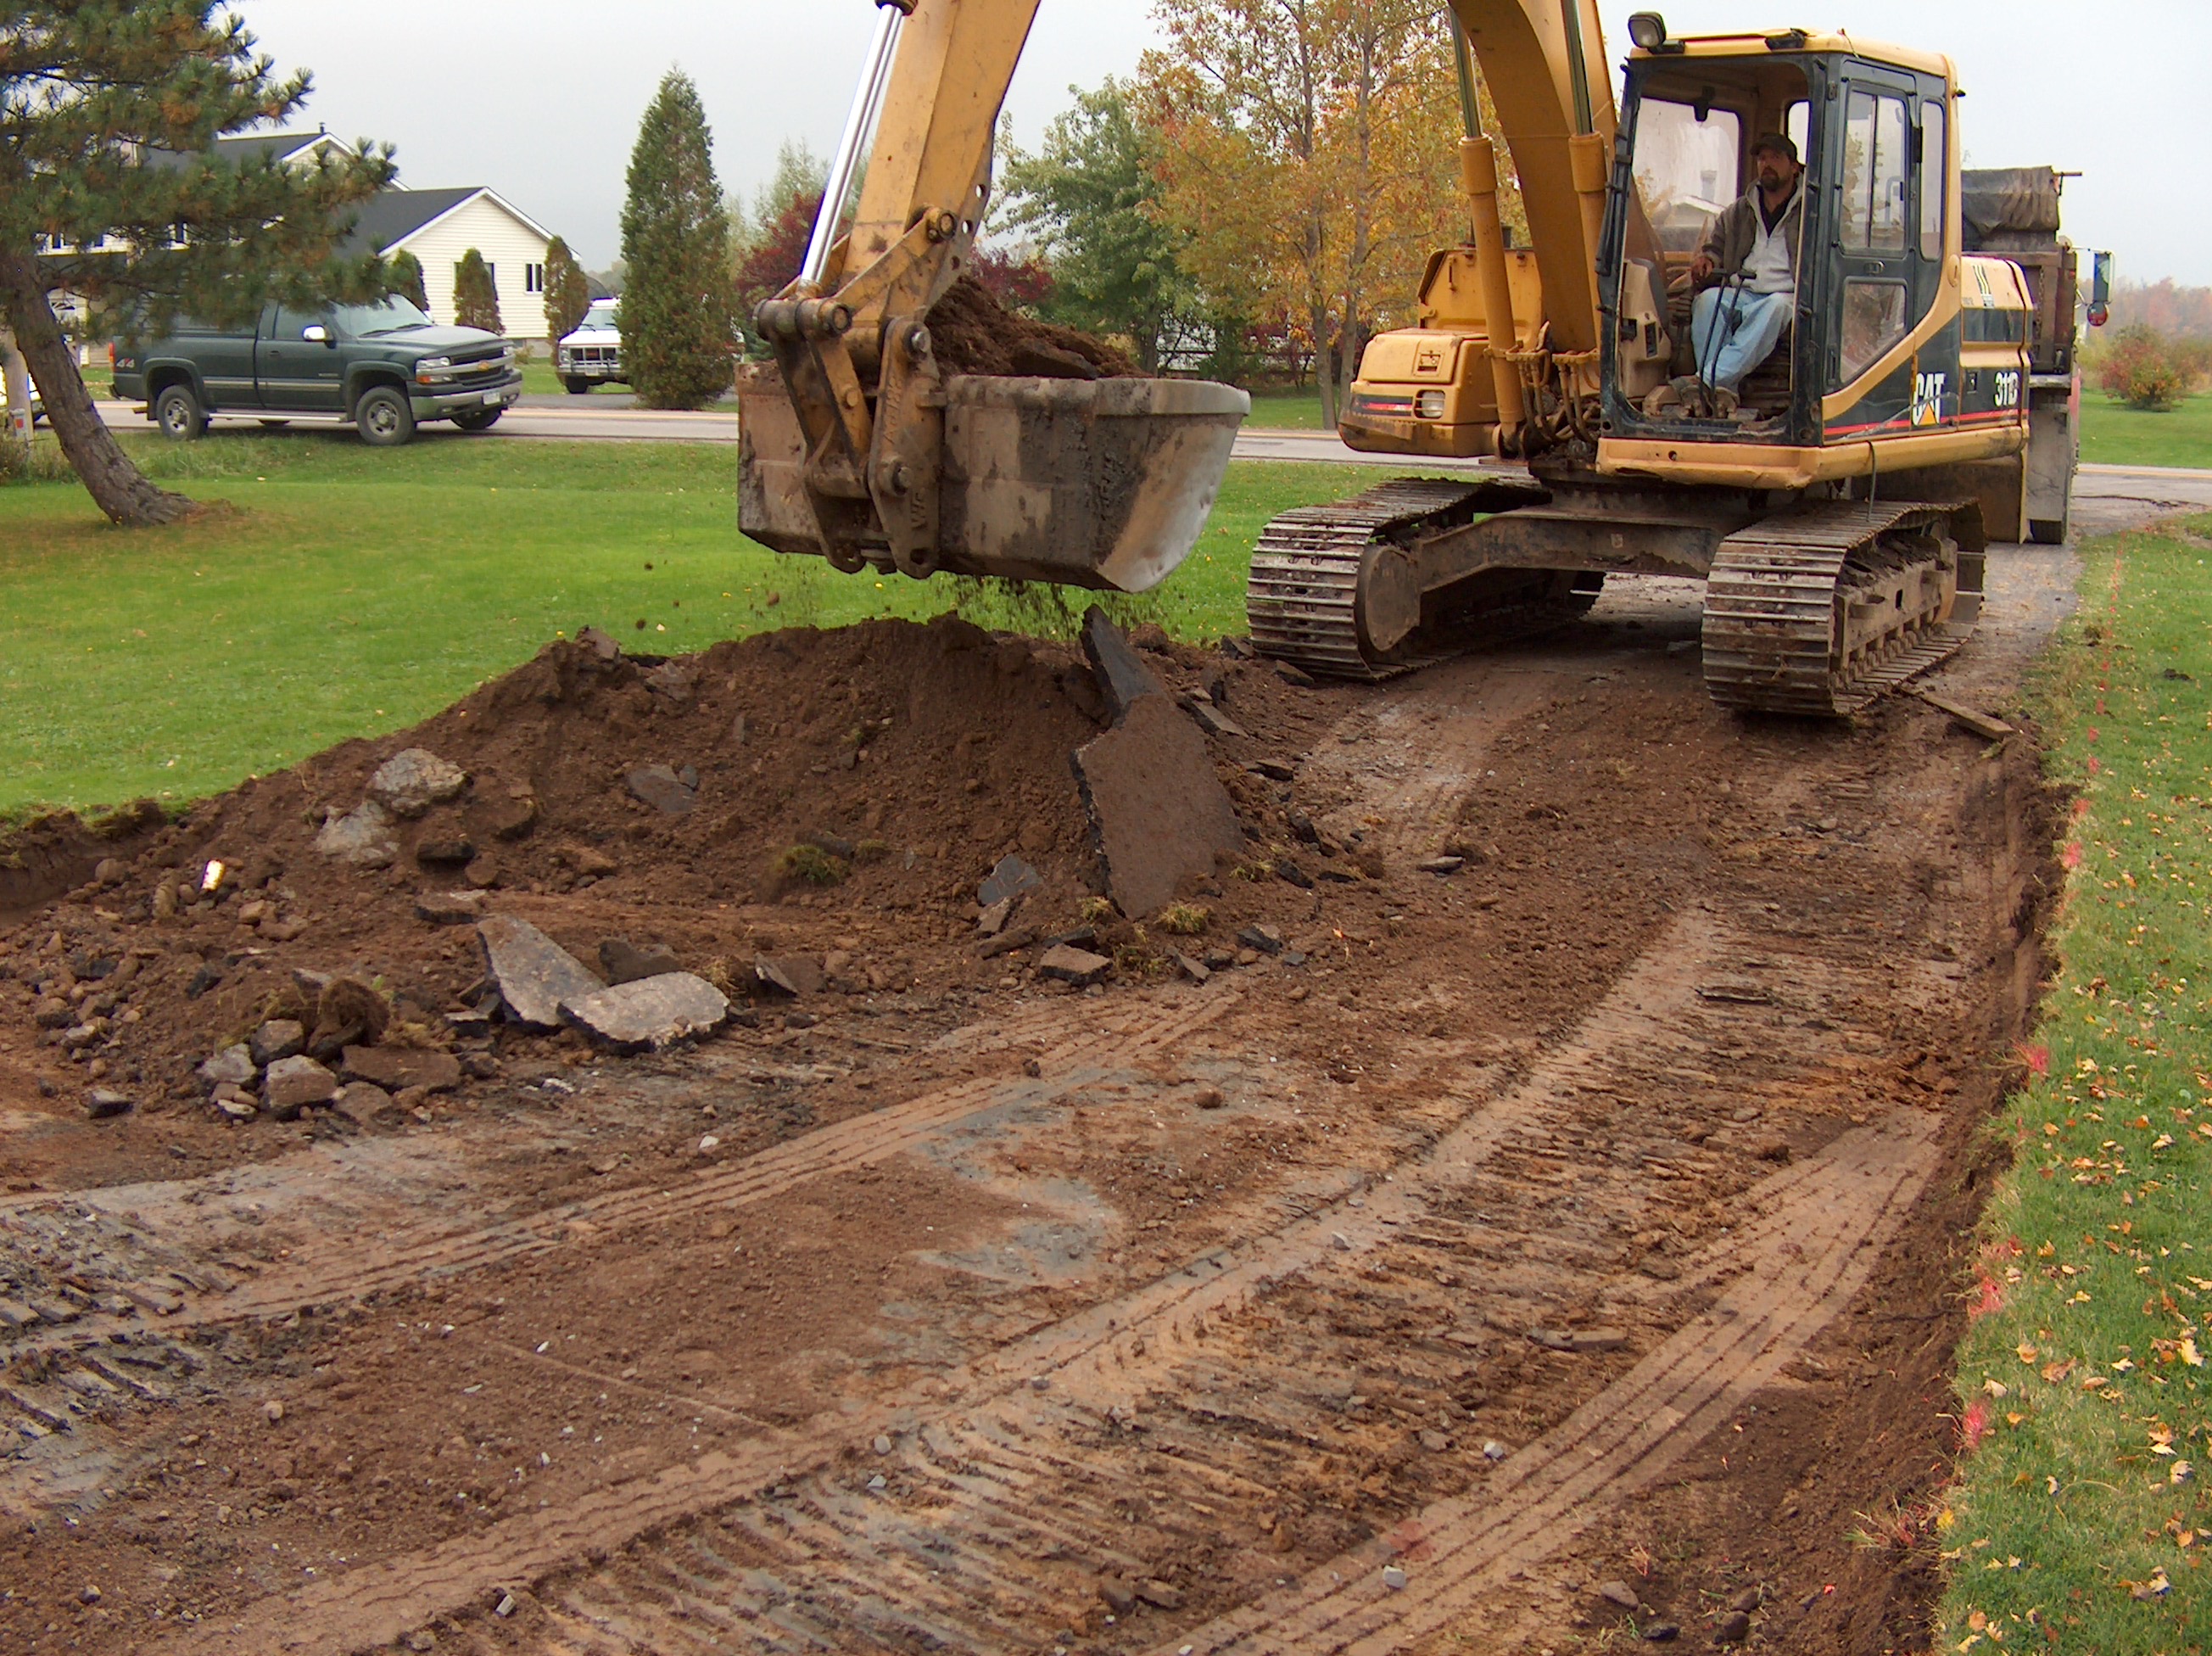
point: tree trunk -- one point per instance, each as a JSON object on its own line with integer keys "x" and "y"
{"x": 1324, "y": 363}
{"x": 117, "y": 486}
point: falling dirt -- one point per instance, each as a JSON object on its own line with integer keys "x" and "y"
{"x": 1560, "y": 1176}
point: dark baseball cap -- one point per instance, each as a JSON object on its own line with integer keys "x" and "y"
{"x": 1774, "y": 144}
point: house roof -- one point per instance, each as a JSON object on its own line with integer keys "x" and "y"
{"x": 233, "y": 152}
{"x": 388, "y": 219}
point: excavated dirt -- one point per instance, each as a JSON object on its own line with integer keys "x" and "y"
{"x": 1587, "y": 1205}
{"x": 971, "y": 332}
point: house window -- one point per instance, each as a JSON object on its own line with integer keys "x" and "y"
{"x": 533, "y": 278}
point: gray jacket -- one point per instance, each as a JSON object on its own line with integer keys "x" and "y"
{"x": 1728, "y": 238}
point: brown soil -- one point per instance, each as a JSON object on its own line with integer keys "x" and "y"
{"x": 949, "y": 1307}
{"x": 971, "y": 332}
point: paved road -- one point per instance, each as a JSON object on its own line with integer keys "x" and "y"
{"x": 2104, "y": 497}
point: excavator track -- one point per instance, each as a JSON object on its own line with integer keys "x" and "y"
{"x": 1824, "y": 611}
{"x": 1302, "y": 599}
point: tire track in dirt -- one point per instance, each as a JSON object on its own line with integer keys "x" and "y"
{"x": 975, "y": 1483}
{"x": 342, "y": 1267}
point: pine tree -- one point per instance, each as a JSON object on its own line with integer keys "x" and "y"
{"x": 475, "y": 295}
{"x": 678, "y": 340}
{"x": 568, "y": 291}
{"x": 405, "y": 273}
{"x": 98, "y": 100}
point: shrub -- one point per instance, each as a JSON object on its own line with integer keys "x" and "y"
{"x": 2144, "y": 368}
{"x": 475, "y": 295}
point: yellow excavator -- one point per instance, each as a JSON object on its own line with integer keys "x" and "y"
{"x": 1838, "y": 507}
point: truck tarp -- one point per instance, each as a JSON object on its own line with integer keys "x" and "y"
{"x": 2010, "y": 208}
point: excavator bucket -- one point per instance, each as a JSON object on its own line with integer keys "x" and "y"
{"x": 1081, "y": 482}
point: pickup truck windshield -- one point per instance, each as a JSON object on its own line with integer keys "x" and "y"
{"x": 391, "y": 315}
{"x": 601, "y": 316}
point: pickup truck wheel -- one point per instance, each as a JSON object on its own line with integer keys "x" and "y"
{"x": 384, "y": 418}
{"x": 178, "y": 413}
{"x": 482, "y": 420}
{"x": 578, "y": 386}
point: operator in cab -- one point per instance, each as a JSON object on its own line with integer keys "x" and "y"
{"x": 1745, "y": 272}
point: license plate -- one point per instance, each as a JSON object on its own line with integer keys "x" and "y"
{"x": 490, "y": 397}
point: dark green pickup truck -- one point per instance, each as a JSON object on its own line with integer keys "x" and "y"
{"x": 384, "y": 367}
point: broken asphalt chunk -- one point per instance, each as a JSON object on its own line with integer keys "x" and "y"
{"x": 1070, "y": 965}
{"x": 793, "y": 974}
{"x": 661, "y": 788}
{"x": 649, "y": 1012}
{"x": 362, "y": 837}
{"x": 1009, "y": 878}
{"x": 1162, "y": 816}
{"x": 626, "y": 963}
{"x": 1122, "y": 678}
{"x": 396, "y": 1068}
{"x": 1262, "y": 937}
{"x": 1211, "y": 718}
{"x": 531, "y": 973}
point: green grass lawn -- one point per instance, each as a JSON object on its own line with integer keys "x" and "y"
{"x": 2084, "y": 1399}
{"x": 1285, "y": 411}
{"x": 2113, "y": 433}
{"x": 354, "y": 591}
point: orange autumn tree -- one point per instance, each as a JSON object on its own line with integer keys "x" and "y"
{"x": 1310, "y": 160}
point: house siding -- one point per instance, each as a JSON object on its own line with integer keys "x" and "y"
{"x": 508, "y": 247}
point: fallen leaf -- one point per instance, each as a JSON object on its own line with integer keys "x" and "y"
{"x": 2055, "y": 1372}
{"x": 2027, "y": 1352}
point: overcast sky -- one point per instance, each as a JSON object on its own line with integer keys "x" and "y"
{"x": 540, "y": 99}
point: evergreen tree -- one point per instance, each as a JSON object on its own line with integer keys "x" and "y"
{"x": 98, "y": 100}
{"x": 405, "y": 273}
{"x": 678, "y": 340}
{"x": 567, "y": 290}
{"x": 475, "y": 295}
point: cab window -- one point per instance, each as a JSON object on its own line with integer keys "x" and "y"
{"x": 1877, "y": 163}
{"x": 1685, "y": 168}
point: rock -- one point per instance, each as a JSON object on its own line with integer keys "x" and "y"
{"x": 1197, "y": 971}
{"x": 234, "y": 1067}
{"x": 1297, "y": 677}
{"x": 1273, "y": 770}
{"x": 1660, "y": 1633}
{"x": 513, "y": 817}
{"x": 293, "y": 1084}
{"x": 395, "y": 1068}
{"x": 1008, "y": 879}
{"x": 279, "y": 1037}
{"x": 674, "y": 679}
{"x": 235, "y": 1103}
{"x": 1394, "y": 1577}
{"x": 165, "y": 900}
{"x": 1123, "y": 679}
{"x": 1434, "y": 1441}
{"x": 482, "y": 873}
{"x": 1160, "y": 1595}
{"x": 881, "y": 1443}
{"x": 53, "y": 1013}
{"x": 531, "y": 972}
{"x": 660, "y": 788}
{"x": 835, "y": 844}
{"x": 448, "y": 850}
{"x": 362, "y": 1100}
{"x": 1212, "y": 719}
{"x": 993, "y": 920}
{"x": 1618, "y": 1592}
{"x": 1596, "y": 1339}
{"x": 362, "y": 837}
{"x": 1290, "y": 874}
{"x": 625, "y": 963}
{"x": 1264, "y": 938}
{"x": 272, "y": 1411}
{"x": 1747, "y": 1600}
{"x": 1118, "y": 1597}
{"x": 1493, "y": 1450}
{"x": 283, "y": 931}
{"x": 347, "y": 1013}
{"x": 793, "y": 974}
{"x": 1732, "y": 1629}
{"x": 1219, "y": 958}
{"x": 410, "y": 781}
{"x": 1441, "y": 865}
{"x": 600, "y": 645}
{"x": 1162, "y": 816}
{"x": 1152, "y": 636}
{"x": 589, "y": 860}
{"x": 649, "y": 1012}
{"x": 1078, "y": 966}
{"x": 450, "y": 907}
{"x": 102, "y": 1102}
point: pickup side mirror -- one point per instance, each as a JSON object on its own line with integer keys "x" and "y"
{"x": 2101, "y": 288}
{"x": 316, "y": 334}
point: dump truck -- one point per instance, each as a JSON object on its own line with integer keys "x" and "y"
{"x": 1839, "y": 510}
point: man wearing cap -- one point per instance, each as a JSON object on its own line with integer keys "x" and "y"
{"x": 1752, "y": 247}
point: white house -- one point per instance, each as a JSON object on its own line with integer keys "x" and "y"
{"x": 438, "y": 226}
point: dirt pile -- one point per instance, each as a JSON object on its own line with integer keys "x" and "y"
{"x": 971, "y": 332}
{"x": 799, "y": 813}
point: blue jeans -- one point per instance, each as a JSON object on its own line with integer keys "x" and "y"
{"x": 1752, "y": 325}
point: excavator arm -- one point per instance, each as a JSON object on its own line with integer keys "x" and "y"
{"x": 860, "y": 448}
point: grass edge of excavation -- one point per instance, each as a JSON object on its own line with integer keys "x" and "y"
{"x": 2084, "y": 1399}
{"x": 358, "y": 591}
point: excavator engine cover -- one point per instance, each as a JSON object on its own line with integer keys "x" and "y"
{"x": 1081, "y": 482}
